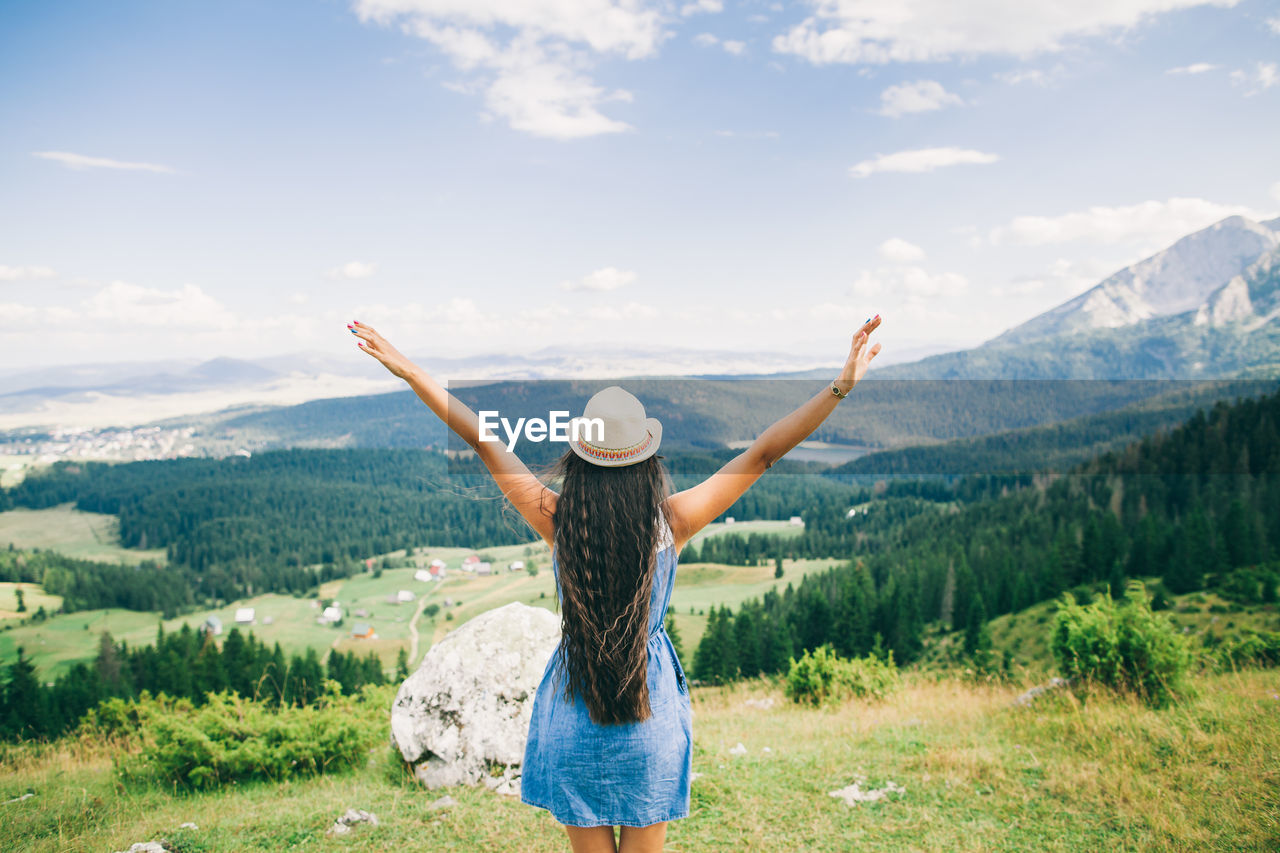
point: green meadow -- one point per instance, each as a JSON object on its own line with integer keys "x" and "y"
{"x": 978, "y": 772}
{"x": 67, "y": 530}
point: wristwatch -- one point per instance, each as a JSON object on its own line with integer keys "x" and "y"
{"x": 835, "y": 389}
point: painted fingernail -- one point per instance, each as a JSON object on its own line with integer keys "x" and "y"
{"x": 352, "y": 331}
{"x": 357, "y": 322}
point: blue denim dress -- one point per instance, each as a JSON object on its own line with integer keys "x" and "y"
{"x": 633, "y": 774}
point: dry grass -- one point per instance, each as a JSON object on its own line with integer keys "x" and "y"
{"x": 981, "y": 773}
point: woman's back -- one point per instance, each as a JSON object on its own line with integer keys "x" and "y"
{"x": 628, "y": 774}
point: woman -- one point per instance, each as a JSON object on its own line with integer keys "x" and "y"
{"x": 610, "y": 741}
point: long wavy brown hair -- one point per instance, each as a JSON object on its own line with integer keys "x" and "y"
{"x": 606, "y": 536}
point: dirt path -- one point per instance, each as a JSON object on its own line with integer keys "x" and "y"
{"x": 413, "y": 632}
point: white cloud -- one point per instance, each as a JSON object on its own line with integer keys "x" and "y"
{"x": 1032, "y": 76}
{"x": 126, "y": 306}
{"x": 922, "y": 96}
{"x": 702, "y": 7}
{"x": 607, "y": 278}
{"x": 1273, "y": 24}
{"x": 1275, "y": 191}
{"x": 900, "y": 251}
{"x": 1263, "y": 77}
{"x": 353, "y": 270}
{"x": 531, "y": 58}
{"x": 1153, "y": 221}
{"x": 737, "y": 48}
{"x": 909, "y": 282}
{"x": 1193, "y": 68}
{"x": 81, "y": 161}
{"x": 881, "y": 31}
{"x": 1062, "y": 280}
{"x": 28, "y": 273}
{"x": 920, "y": 160}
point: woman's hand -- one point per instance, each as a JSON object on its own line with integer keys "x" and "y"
{"x": 378, "y": 347}
{"x": 860, "y": 355}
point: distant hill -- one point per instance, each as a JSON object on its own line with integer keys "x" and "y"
{"x": 713, "y": 413}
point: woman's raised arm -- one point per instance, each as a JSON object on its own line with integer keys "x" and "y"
{"x": 693, "y": 509}
{"x": 534, "y": 501}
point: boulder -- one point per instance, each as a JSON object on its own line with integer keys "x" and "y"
{"x": 466, "y": 709}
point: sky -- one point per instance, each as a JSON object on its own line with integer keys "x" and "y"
{"x": 241, "y": 178}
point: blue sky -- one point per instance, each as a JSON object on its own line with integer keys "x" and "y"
{"x": 239, "y": 178}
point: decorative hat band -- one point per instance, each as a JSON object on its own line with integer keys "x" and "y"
{"x": 609, "y": 454}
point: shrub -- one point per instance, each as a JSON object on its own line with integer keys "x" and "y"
{"x": 231, "y": 739}
{"x": 1120, "y": 645}
{"x": 821, "y": 676}
{"x": 1253, "y": 648}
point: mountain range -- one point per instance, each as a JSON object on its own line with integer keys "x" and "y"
{"x": 1205, "y": 307}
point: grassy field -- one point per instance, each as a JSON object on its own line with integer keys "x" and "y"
{"x": 67, "y": 530}
{"x": 979, "y": 773}
{"x": 32, "y": 596}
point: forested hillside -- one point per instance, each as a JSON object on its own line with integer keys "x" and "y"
{"x": 283, "y": 521}
{"x": 1198, "y": 505}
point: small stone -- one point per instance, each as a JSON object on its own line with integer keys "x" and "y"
{"x": 188, "y": 825}
{"x": 738, "y": 750}
{"x": 766, "y": 749}
{"x": 343, "y": 825}
{"x": 444, "y": 802}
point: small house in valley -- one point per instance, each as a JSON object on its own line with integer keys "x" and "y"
{"x": 244, "y": 616}
{"x": 363, "y": 631}
{"x": 212, "y": 625}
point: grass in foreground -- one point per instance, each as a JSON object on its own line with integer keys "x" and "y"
{"x": 980, "y": 773}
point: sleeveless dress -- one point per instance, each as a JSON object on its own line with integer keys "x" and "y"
{"x": 631, "y": 774}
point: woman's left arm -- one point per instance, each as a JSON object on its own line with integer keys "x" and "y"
{"x": 534, "y": 501}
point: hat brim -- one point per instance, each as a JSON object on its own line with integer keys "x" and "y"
{"x": 606, "y": 458}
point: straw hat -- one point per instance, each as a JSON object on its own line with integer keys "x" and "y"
{"x": 629, "y": 437}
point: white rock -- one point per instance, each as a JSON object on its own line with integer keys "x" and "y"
{"x": 145, "y": 847}
{"x": 343, "y": 825}
{"x": 188, "y": 825}
{"x": 444, "y": 802}
{"x": 853, "y": 794}
{"x": 468, "y": 705}
{"x": 738, "y": 750}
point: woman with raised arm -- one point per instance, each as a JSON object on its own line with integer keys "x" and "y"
{"x": 610, "y": 741}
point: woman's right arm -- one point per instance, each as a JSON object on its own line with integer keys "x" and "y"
{"x": 693, "y": 509}
{"x": 534, "y": 501}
